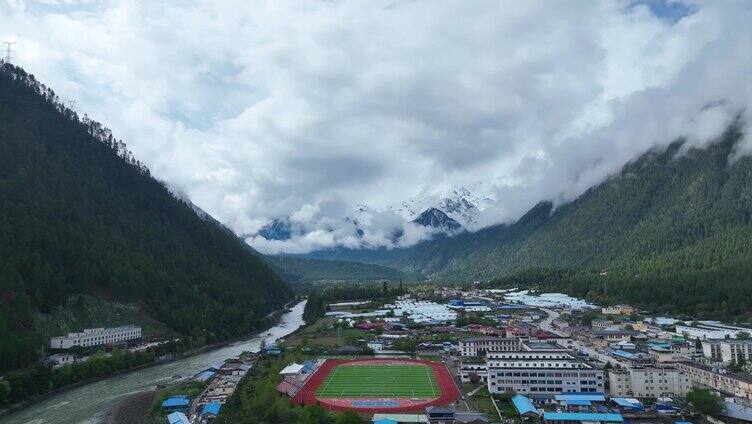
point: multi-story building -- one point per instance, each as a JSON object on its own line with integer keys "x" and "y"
{"x": 649, "y": 382}
{"x": 603, "y": 324}
{"x": 473, "y": 367}
{"x": 730, "y": 384}
{"x": 727, "y": 350}
{"x": 541, "y": 373}
{"x": 617, "y": 310}
{"x": 480, "y": 346}
{"x": 91, "y": 337}
{"x": 710, "y": 330}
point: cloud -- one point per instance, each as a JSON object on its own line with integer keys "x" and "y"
{"x": 303, "y": 110}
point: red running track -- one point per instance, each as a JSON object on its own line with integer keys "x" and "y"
{"x": 307, "y": 394}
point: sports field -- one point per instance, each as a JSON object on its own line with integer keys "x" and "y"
{"x": 380, "y": 381}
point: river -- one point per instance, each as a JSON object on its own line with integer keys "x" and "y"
{"x": 87, "y": 404}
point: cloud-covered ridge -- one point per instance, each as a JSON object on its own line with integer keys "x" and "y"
{"x": 263, "y": 110}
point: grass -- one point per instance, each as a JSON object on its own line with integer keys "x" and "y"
{"x": 372, "y": 381}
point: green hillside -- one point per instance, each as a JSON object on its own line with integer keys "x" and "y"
{"x": 678, "y": 218}
{"x": 303, "y": 270}
{"x": 80, "y": 216}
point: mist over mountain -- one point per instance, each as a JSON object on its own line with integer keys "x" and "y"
{"x": 84, "y": 223}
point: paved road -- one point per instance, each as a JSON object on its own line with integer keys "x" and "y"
{"x": 547, "y": 324}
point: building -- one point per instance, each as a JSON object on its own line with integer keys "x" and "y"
{"x": 178, "y": 418}
{"x": 581, "y": 417}
{"x": 91, "y": 337}
{"x": 470, "y": 369}
{"x": 617, "y": 310}
{"x": 613, "y": 335}
{"x": 603, "y": 324}
{"x": 178, "y": 403}
{"x": 541, "y": 374}
{"x": 727, "y": 350}
{"x": 61, "y": 359}
{"x": 649, "y": 382}
{"x": 480, "y": 346}
{"x": 705, "y": 376}
{"x": 525, "y": 407}
{"x": 423, "y": 312}
{"x": 376, "y": 345}
{"x": 380, "y": 418}
{"x": 710, "y": 330}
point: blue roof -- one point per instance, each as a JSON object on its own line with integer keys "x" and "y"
{"x": 593, "y": 397}
{"x": 211, "y": 408}
{"x": 175, "y": 401}
{"x": 523, "y": 405}
{"x": 205, "y": 375}
{"x": 623, "y": 353}
{"x": 682, "y": 422}
{"x": 578, "y": 402}
{"x": 582, "y": 416}
{"x": 628, "y": 403}
{"x": 385, "y": 421}
{"x": 178, "y": 418}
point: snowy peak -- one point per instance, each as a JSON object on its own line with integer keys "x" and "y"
{"x": 438, "y": 220}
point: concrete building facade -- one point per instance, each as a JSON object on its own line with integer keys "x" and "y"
{"x": 541, "y": 373}
{"x": 649, "y": 382}
{"x": 705, "y": 376}
{"x": 91, "y": 337}
{"x": 480, "y": 346}
{"x": 727, "y": 350}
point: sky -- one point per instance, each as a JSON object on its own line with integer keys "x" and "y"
{"x": 308, "y": 110}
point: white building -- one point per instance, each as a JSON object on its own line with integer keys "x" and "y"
{"x": 97, "y": 337}
{"x": 731, "y": 384}
{"x": 60, "y": 359}
{"x": 541, "y": 373}
{"x": 376, "y": 345}
{"x": 649, "y": 382}
{"x": 710, "y": 330}
{"x": 727, "y": 351}
{"x": 480, "y": 346}
{"x": 617, "y": 310}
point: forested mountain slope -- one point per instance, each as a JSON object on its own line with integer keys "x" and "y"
{"x": 676, "y": 215}
{"x": 78, "y": 215}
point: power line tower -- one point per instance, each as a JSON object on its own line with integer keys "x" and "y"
{"x": 8, "y": 49}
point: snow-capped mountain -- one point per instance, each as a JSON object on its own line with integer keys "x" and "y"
{"x": 459, "y": 203}
{"x": 438, "y": 220}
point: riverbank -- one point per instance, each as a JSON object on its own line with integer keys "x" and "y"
{"x": 274, "y": 319}
{"x": 132, "y": 410}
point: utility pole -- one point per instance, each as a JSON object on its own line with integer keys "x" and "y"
{"x": 9, "y": 50}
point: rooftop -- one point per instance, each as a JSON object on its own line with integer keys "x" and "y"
{"x": 582, "y": 416}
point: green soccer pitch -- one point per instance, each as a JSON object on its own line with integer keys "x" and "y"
{"x": 380, "y": 381}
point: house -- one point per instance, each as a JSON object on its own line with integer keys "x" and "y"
{"x": 524, "y": 406}
{"x": 293, "y": 368}
{"x": 211, "y": 410}
{"x": 439, "y": 415}
{"x": 61, "y": 359}
{"x": 376, "y": 345}
{"x": 177, "y": 418}
{"x": 177, "y": 403}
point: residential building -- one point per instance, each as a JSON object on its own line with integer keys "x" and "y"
{"x": 91, "y": 337}
{"x": 603, "y": 324}
{"x": 60, "y": 359}
{"x": 727, "y": 350}
{"x": 731, "y": 384}
{"x": 617, "y": 310}
{"x": 649, "y": 382}
{"x": 541, "y": 373}
{"x": 581, "y": 417}
{"x": 480, "y": 346}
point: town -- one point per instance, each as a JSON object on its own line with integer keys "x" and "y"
{"x": 448, "y": 355}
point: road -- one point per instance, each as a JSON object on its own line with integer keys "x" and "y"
{"x": 548, "y": 323}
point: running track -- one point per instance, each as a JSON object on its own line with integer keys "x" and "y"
{"x": 307, "y": 394}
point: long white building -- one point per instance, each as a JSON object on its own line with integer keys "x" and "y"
{"x": 480, "y": 346}
{"x": 541, "y": 373}
{"x": 710, "y": 330}
{"x": 96, "y": 337}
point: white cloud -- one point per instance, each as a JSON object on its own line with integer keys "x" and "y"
{"x": 267, "y": 109}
